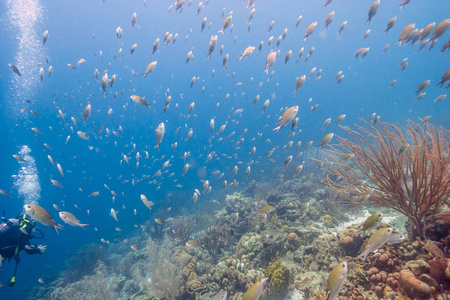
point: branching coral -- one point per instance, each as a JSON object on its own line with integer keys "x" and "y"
{"x": 182, "y": 227}
{"x": 217, "y": 236}
{"x": 410, "y": 178}
{"x": 96, "y": 287}
{"x": 165, "y": 275}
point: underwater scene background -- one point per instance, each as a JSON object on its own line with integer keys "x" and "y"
{"x": 230, "y": 202}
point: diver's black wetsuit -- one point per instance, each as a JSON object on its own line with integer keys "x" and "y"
{"x": 11, "y": 236}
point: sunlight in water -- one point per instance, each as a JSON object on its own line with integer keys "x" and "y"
{"x": 27, "y": 181}
{"x": 24, "y": 17}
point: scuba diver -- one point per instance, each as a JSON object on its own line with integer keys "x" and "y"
{"x": 15, "y": 235}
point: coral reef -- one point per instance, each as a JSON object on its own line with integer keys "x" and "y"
{"x": 350, "y": 241}
{"x": 218, "y": 236}
{"x": 295, "y": 245}
{"x": 399, "y": 182}
{"x": 278, "y": 279}
{"x": 181, "y": 228}
{"x": 165, "y": 275}
{"x": 84, "y": 262}
{"x": 97, "y": 286}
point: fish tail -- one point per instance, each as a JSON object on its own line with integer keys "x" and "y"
{"x": 157, "y": 146}
{"x": 57, "y": 226}
{"x": 363, "y": 255}
{"x": 220, "y": 31}
{"x": 304, "y": 39}
{"x": 277, "y": 128}
{"x": 82, "y": 226}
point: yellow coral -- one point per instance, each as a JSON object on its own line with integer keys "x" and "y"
{"x": 291, "y": 236}
{"x": 278, "y": 278}
{"x": 285, "y": 228}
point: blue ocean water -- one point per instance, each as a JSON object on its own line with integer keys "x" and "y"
{"x": 81, "y": 29}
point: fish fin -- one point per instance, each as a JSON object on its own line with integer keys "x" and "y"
{"x": 56, "y": 226}
{"x": 363, "y": 255}
{"x": 82, "y": 225}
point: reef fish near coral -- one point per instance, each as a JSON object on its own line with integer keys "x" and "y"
{"x": 371, "y": 222}
{"x": 336, "y": 280}
{"x": 378, "y": 239}
{"x": 255, "y": 291}
{"x": 220, "y": 296}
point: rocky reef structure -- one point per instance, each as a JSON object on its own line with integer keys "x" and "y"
{"x": 295, "y": 242}
{"x": 181, "y": 228}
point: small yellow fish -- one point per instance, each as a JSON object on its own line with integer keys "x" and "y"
{"x": 194, "y": 244}
{"x": 378, "y": 239}
{"x": 139, "y": 100}
{"x": 287, "y": 117}
{"x": 255, "y": 291}
{"x": 326, "y": 139}
{"x": 151, "y": 66}
{"x": 94, "y": 194}
{"x": 336, "y": 280}
{"x": 265, "y": 209}
{"x": 347, "y": 156}
{"x": 403, "y": 149}
{"x": 439, "y": 210}
{"x": 159, "y": 221}
{"x": 372, "y": 222}
{"x": 135, "y": 248}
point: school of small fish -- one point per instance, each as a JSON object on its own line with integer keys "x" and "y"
{"x": 152, "y": 162}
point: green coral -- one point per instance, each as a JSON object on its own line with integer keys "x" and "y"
{"x": 278, "y": 278}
